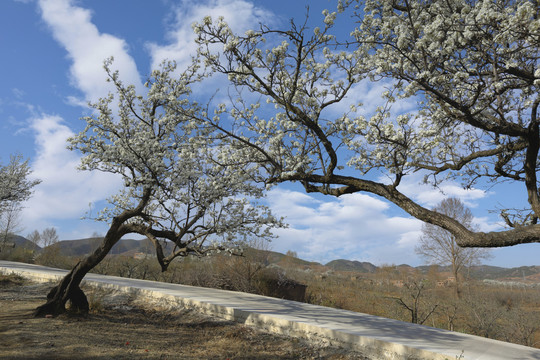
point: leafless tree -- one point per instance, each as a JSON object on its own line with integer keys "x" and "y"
{"x": 484, "y": 314}
{"x": 414, "y": 302}
{"x": 49, "y": 237}
{"x": 9, "y": 224}
{"x": 524, "y": 326}
{"x": 35, "y": 238}
{"x": 440, "y": 247}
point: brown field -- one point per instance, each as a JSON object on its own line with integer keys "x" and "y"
{"x": 120, "y": 327}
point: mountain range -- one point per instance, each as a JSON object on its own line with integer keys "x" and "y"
{"x": 129, "y": 247}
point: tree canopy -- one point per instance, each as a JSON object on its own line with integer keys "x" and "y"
{"x": 293, "y": 114}
{"x": 180, "y": 185}
{"x": 15, "y": 187}
{"x": 470, "y": 67}
{"x": 15, "y": 183}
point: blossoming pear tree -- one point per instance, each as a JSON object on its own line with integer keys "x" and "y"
{"x": 471, "y": 67}
{"x": 15, "y": 187}
{"x": 15, "y": 183}
{"x": 180, "y": 185}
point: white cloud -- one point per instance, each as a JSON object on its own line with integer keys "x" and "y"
{"x": 239, "y": 14}
{"x": 65, "y": 192}
{"x": 426, "y": 195}
{"x": 486, "y": 224}
{"x": 360, "y": 226}
{"x": 432, "y": 196}
{"x": 87, "y": 48}
{"x": 354, "y": 226}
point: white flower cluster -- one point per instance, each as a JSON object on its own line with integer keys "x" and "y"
{"x": 474, "y": 66}
{"x": 15, "y": 184}
{"x": 181, "y": 183}
{"x": 470, "y": 68}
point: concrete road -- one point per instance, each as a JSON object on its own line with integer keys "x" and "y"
{"x": 377, "y": 337}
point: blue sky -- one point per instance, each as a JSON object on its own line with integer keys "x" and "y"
{"x": 51, "y": 64}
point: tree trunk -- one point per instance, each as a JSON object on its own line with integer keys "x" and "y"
{"x": 69, "y": 289}
{"x": 69, "y": 286}
{"x": 455, "y": 272}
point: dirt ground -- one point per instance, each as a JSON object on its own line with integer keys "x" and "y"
{"x": 121, "y": 327}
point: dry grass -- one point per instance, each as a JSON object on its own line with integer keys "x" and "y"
{"x": 120, "y": 328}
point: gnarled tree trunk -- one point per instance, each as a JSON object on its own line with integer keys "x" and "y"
{"x": 69, "y": 286}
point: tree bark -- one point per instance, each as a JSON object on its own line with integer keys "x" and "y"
{"x": 457, "y": 284}
{"x": 69, "y": 287}
{"x": 464, "y": 237}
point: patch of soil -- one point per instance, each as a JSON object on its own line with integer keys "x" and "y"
{"x": 122, "y": 327}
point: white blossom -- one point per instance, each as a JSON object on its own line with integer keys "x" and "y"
{"x": 181, "y": 183}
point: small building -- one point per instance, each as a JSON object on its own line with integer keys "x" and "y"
{"x": 447, "y": 282}
{"x": 140, "y": 255}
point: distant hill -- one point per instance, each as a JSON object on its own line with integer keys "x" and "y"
{"x": 82, "y": 247}
{"x": 351, "y": 265}
{"x": 273, "y": 257}
{"x": 24, "y": 243}
{"x": 129, "y": 247}
{"x": 424, "y": 269}
{"x": 488, "y": 272}
{"x": 497, "y": 273}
